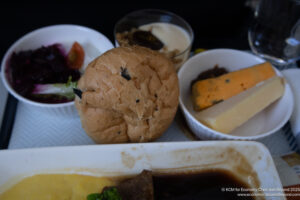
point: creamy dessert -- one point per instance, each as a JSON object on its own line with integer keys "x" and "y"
{"x": 167, "y": 38}
{"x": 174, "y": 38}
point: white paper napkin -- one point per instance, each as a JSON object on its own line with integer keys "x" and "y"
{"x": 293, "y": 78}
{"x": 35, "y": 128}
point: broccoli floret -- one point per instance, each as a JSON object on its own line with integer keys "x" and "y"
{"x": 110, "y": 193}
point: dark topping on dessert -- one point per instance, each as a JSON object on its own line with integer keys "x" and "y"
{"x": 145, "y": 39}
{"x": 137, "y": 101}
{"x": 125, "y": 74}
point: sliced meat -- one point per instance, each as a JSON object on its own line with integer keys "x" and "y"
{"x": 138, "y": 188}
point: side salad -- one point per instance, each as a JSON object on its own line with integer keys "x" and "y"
{"x": 47, "y": 74}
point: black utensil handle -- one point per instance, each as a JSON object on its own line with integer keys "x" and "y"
{"x": 8, "y": 121}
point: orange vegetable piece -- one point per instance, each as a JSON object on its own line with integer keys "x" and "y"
{"x": 76, "y": 56}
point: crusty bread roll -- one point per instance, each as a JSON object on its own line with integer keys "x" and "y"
{"x": 129, "y": 94}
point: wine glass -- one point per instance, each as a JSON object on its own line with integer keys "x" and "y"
{"x": 275, "y": 32}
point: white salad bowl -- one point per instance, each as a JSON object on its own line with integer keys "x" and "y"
{"x": 93, "y": 42}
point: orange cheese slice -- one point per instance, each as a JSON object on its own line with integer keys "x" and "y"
{"x": 208, "y": 92}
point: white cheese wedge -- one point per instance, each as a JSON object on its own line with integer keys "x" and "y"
{"x": 231, "y": 113}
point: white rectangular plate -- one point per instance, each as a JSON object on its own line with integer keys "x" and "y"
{"x": 241, "y": 157}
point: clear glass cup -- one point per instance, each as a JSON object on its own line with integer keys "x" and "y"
{"x": 275, "y": 31}
{"x": 137, "y": 19}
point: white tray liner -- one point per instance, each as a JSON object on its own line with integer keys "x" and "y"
{"x": 34, "y": 128}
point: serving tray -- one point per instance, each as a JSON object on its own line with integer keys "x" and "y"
{"x": 29, "y": 127}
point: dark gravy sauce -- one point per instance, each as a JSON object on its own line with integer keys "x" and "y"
{"x": 212, "y": 185}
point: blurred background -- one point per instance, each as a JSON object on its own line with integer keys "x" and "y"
{"x": 216, "y": 24}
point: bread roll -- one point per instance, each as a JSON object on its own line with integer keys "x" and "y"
{"x": 129, "y": 94}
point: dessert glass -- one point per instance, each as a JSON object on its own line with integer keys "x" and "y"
{"x": 148, "y": 16}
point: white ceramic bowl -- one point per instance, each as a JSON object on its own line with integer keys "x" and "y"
{"x": 93, "y": 42}
{"x": 261, "y": 125}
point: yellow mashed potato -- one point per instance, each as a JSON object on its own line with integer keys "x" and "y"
{"x": 56, "y": 187}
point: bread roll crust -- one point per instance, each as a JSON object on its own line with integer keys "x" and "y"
{"x": 130, "y": 94}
